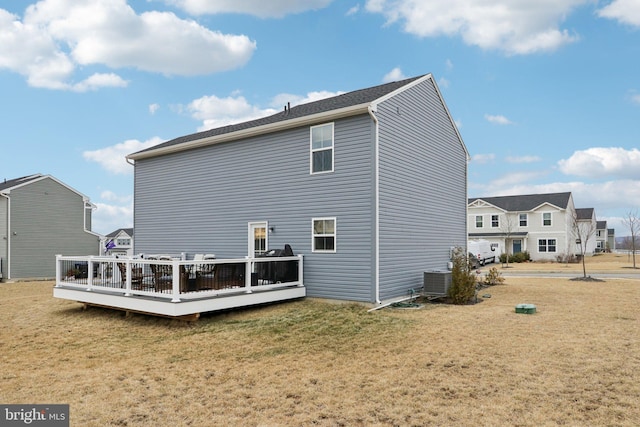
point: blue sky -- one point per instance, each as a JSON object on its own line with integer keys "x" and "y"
{"x": 546, "y": 94}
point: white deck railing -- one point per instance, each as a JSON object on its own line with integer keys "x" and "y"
{"x": 177, "y": 279}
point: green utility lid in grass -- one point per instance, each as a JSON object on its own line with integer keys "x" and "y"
{"x": 526, "y": 308}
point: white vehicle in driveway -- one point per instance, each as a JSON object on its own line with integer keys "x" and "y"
{"x": 482, "y": 250}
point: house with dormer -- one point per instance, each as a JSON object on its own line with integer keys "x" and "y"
{"x": 541, "y": 224}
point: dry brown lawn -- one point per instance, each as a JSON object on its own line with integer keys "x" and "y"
{"x": 575, "y": 362}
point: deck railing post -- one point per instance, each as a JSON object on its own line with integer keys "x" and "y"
{"x": 300, "y": 271}
{"x": 248, "y": 269}
{"x": 58, "y": 270}
{"x": 175, "y": 289}
{"x": 90, "y": 271}
{"x": 127, "y": 282}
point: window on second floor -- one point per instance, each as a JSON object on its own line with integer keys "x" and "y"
{"x": 123, "y": 242}
{"x": 495, "y": 221}
{"x": 599, "y": 233}
{"x": 322, "y": 148}
{"x": 546, "y": 219}
{"x": 523, "y": 219}
{"x": 479, "y": 221}
{"x": 546, "y": 245}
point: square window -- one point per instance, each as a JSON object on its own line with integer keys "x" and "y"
{"x": 322, "y": 148}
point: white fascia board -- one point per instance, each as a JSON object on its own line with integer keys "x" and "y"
{"x": 255, "y": 131}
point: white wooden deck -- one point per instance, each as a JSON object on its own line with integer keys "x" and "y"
{"x": 176, "y": 287}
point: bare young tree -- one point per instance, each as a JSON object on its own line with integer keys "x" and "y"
{"x": 632, "y": 221}
{"x": 507, "y": 227}
{"x": 584, "y": 229}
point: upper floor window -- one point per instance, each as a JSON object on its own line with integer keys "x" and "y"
{"x": 495, "y": 222}
{"x": 546, "y": 218}
{"x": 599, "y": 233}
{"x": 322, "y": 148}
{"x": 523, "y": 219}
{"x": 123, "y": 242}
{"x": 479, "y": 221}
{"x": 324, "y": 235}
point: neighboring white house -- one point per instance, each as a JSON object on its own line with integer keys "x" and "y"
{"x": 541, "y": 224}
{"x": 119, "y": 242}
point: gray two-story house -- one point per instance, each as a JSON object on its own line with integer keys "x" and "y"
{"x": 41, "y": 217}
{"x": 370, "y": 186}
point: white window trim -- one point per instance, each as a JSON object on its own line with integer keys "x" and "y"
{"x": 526, "y": 219}
{"x": 475, "y": 221}
{"x": 550, "y": 219}
{"x": 546, "y": 245}
{"x": 311, "y": 150}
{"x": 314, "y": 235}
{"x": 497, "y": 220}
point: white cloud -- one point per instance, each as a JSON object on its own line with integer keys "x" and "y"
{"x": 498, "y": 119}
{"x": 442, "y": 82}
{"x": 352, "y": 11}
{"x": 394, "y": 75}
{"x": 624, "y": 11}
{"x": 259, "y": 8}
{"x": 514, "y": 27}
{"x": 483, "y": 158}
{"x": 56, "y": 37}
{"x": 216, "y": 112}
{"x": 598, "y": 162}
{"x": 449, "y": 64}
{"x": 113, "y": 159}
{"x": 109, "y": 217}
{"x": 522, "y": 159}
{"x": 153, "y": 108}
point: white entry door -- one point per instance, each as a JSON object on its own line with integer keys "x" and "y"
{"x": 258, "y": 244}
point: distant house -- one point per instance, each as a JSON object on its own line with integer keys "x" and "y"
{"x": 540, "y": 224}
{"x": 118, "y": 242}
{"x": 370, "y": 186}
{"x": 41, "y": 217}
{"x": 611, "y": 239}
{"x": 602, "y": 244}
{"x": 588, "y": 224}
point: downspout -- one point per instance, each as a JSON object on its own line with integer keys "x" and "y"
{"x": 8, "y": 236}
{"x": 376, "y": 180}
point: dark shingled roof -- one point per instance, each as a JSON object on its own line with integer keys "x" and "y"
{"x": 584, "y": 213}
{"x": 8, "y": 183}
{"x": 526, "y": 202}
{"x": 601, "y": 225}
{"x": 129, "y": 231}
{"x": 348, "y": 99}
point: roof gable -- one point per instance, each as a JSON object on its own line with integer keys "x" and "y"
{"x": 528, "y": 202}
{"x": 344, "y": 105}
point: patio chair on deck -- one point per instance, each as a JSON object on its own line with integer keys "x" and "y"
{"x": 163, "y": 277}
{"x": 136, "y": 275}
{"x": 221, "y": 276}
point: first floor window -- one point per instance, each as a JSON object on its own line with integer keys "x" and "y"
{"x": 495, "y": 222}
{"x": 546, "y": 245}
{"x": 324, "y": 235}
{"x": 478, "y": 221}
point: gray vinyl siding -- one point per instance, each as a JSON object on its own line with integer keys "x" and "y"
{"x": 423, "y": 193}
{"x": 4, "y": 235}
{"x": 46, "y": 219}
{"x": 201, "y": 201}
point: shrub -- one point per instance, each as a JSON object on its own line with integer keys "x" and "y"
{"x": 567, "y": 258}
{"x": 493, "y": 277}
{"x": 517, "y": 257}
{"x": 463, "y": 280}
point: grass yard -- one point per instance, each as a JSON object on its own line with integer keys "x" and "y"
{"x": 575, "y": 362}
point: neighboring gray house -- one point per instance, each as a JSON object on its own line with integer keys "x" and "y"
{"x": 41, "y": 217}
{"x": 370, "y": 186}
{"x": 541, "y": 224}
{"x": 118, "y": 242}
